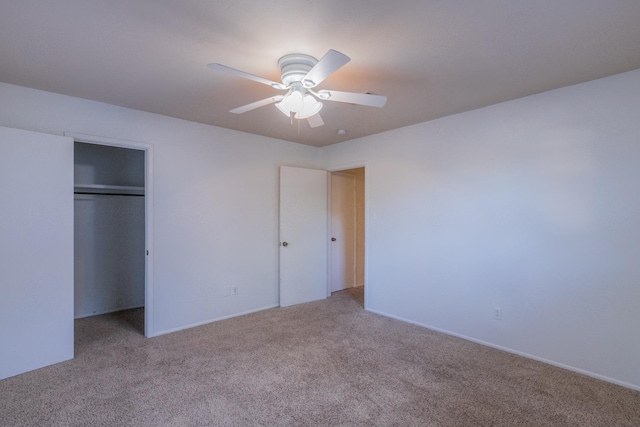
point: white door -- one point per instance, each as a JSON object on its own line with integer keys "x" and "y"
{"x": 343, "y": 231}
{"x": 303, "y": 235}
{"x": 36, "y": 250}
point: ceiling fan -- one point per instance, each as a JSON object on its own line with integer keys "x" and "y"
{"x": 300, "y": 74}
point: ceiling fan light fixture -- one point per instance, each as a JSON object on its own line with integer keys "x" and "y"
{"x": 310, "y": 107}
{"x": 295, "y": 101}
{"x": 300, "y": 74}
{"x": 283, "y": 108}
{"x": 291, "y": 103}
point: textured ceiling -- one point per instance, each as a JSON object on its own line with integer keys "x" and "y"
{"x": 432, "y": 58}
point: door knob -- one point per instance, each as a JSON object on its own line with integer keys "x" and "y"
{"x": 333, "y": 239}
{"x": 285, "y": 244}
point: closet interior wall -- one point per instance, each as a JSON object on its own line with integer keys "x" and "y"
{"x": 109, "y": 229}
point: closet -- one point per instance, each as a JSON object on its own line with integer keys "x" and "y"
{"x": 109, "y": 229}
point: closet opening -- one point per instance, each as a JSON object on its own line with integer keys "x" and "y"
{"x": 347, "y": 229}
{"x": 109, "y": 237}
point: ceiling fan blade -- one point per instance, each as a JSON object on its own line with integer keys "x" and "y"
{"x": 330, "y": 62}
{"x": 229, "y": 70}
{"x": 315, "y": 121}
{"x": 256, "y": 104}
{"x": 353, "y": 98}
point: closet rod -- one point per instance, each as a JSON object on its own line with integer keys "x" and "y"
{"x": 107, "y": 194}
{"x": 109, "y": 190}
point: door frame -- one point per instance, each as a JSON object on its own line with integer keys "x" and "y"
{"x": 366, "y": 226}
{"x": 355, "y": 223}
{"x": 149, "y": 331}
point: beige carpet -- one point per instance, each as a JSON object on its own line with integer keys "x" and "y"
{"x": 326, "y": 363}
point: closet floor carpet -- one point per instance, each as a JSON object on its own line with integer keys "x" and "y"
{"x": 324, "y": 363}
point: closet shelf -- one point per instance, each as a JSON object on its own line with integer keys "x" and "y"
{"x": 108, "y": 189}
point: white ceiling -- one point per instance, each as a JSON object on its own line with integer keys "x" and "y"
{"x": 432, "y": 58}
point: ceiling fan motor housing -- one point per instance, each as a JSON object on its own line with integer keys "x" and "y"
{"x": 294, "y": 67}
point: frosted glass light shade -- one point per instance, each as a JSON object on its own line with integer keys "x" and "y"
{"x": 310, "y": 106}
{"x": 282, "y": 107}
{"x": 300, "y": 104}
{"x": 294, "y": 101}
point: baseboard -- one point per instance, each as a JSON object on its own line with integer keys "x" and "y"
{"x": 217, "y": 319}
{"x": 510, "y": 350}
{"x": 82, "y": 316}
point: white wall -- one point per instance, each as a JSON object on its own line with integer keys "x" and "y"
{"x": 215, "y": 201}
{"x": 532, "y": 206}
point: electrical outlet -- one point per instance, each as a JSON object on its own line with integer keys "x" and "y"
{"x": 497, "y": 313}
{"x": 234, "y": 290}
